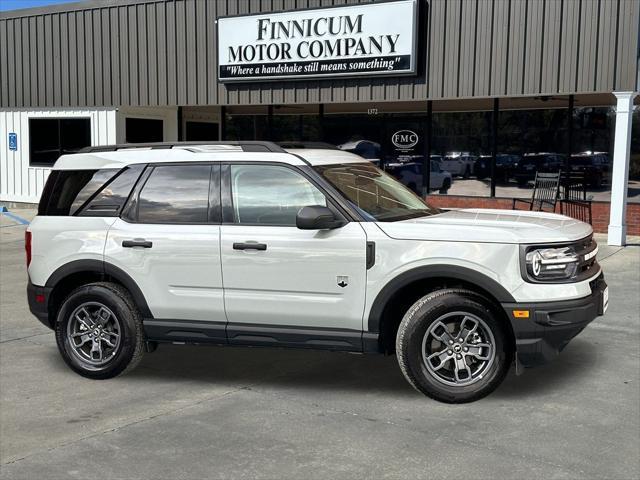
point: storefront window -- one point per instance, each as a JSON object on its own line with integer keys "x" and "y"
{"x": 243, "y": 123}
{"x": 529, "y": 141}
{"x": 296, "y": 128}
{"x": 592, "y": 152}
{"x": 462, "y": 148}
{"x": 393, "y": 141}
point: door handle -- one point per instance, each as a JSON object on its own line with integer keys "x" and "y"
{"x": 249, "y": 246}
{"x": 137, "y": 242}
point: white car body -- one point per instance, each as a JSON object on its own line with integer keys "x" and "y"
{"x": 188, "y": 284}
{"x": 331, "y": 287}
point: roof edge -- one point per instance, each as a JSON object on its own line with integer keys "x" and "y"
{"x": 71, "y": 7}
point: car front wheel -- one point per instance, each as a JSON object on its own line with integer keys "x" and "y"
{"x": 99, "y": 331}
{"x": 451, "y": 347}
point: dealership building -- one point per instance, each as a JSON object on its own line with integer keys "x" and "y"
{"x": 492, "y": 91}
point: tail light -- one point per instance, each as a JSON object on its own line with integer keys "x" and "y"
{"x": 27, "y": 246}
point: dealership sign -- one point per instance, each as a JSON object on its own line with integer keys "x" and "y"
{"x": 355, "y": 40}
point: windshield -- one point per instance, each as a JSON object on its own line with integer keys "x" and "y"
{"x": 377, "y": 195}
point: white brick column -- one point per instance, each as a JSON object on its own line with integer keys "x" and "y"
{"x": 620, "y": 168}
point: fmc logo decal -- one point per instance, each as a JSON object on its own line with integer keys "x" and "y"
{"x": 404, "y": 139}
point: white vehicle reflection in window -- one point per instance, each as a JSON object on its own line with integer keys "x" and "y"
{"x": 410, "y": 174}
{"x": 460, "y": 164}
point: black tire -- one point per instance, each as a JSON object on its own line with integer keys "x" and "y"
{"x": 446, "y": 185}
{"x": 421, "y": 317}
{"x": 128, "y": 349}
{"x": 467, "y": 172}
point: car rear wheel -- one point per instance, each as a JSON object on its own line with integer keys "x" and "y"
{"x": 451, "y": 347}
{"x": 99, "y": 331}
{"x": 446, "y": 185}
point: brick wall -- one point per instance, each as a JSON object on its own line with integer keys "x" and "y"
{"x": 599, "y": 210}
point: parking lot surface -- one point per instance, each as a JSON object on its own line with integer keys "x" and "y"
{"x": 189, "y": 411}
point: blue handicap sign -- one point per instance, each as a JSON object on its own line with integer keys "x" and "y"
{"x": 13, "y": 141}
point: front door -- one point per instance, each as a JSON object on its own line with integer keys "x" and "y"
{"x": 283, "y": 285}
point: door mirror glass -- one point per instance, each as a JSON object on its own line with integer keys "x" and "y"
{"x": 317, "y": 217}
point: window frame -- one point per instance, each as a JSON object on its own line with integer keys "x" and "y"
{"x": 227, "y": 206}
{"x": 129, "y": 212}
{"x": 59, "y": 120}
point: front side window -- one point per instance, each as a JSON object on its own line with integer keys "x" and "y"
{"x": 51, "y": 137}
{"x": 270, "y": 194}
{"x": 175, "y": 194}
{"x": 377, "y": 195}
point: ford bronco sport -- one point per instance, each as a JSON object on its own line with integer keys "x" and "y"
{"x": 246, "y": 243}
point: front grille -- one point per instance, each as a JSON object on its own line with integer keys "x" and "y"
{"x": 587, "y": 250}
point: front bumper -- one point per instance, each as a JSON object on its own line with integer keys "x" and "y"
{"x": 551, "y": 325}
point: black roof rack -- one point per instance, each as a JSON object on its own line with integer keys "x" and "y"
{"x": 247, "y": 146}
{"x": 297, "y": 144}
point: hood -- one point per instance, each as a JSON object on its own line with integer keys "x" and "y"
{"x": 490, "y": 226}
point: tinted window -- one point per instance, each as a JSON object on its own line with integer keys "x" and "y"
{"x": 202, "y": 131}
{"x": 68, "y": 190}
{"x": 143, "y": 130}
{"x": 270, "y": 195}
{"x": 51, "y": 137}
{"x": 175, "y": 194}
{"x": 110, "y": 199}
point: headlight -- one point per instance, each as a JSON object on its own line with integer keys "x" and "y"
{"x": 552, "y": 263}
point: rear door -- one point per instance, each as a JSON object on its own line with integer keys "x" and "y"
{"x": 168, "y": 242}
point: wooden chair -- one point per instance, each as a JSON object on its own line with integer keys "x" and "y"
{"x": 573, "y": 198}
{"x": 546, "y": 190}
{"x": 578, "y": 209}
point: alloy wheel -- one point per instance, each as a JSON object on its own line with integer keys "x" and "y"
{"x": 94, "y": 333}
{"x": 458, "y": 349}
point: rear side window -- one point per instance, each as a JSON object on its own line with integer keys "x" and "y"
{"x": 176, "y": 194}
{"x": 69, "y": 192}
{"x": 110, "y": 199}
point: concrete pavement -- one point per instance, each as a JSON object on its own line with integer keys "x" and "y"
{"x": 189, "y": 412}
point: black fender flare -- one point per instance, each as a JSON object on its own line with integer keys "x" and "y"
{"x": 104, "y": 269}
{"x": 453, "y": 272}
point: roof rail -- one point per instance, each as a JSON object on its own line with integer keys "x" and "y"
{"x": 247, "y": 146}
{"x": 313, "y": 145}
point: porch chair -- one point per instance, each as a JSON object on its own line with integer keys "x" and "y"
{"x": 573, "y": 198}
{"x": 546, "y": 190}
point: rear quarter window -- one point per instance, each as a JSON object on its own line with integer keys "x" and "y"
{"x": 87, "y": 192}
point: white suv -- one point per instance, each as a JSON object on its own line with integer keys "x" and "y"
{"x": 248, "y": 244}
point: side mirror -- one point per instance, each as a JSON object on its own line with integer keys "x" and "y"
{"x": 317, "y": 217}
